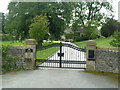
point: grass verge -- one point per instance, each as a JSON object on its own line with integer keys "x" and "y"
{"x": 43, "y": 54}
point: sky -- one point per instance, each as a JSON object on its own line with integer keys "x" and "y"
{"x": 4, "y": 4}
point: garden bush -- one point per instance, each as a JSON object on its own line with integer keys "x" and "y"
{"x": 6, "y": 37}
{"x": 116, "y": 41}
{"x": 8, "y": 62}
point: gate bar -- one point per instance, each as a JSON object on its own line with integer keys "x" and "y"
{"x": 60, "y": 54}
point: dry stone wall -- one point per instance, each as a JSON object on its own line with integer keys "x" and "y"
{"x": 19, "y": 52}
{"x": 26, "y": 54}
{"x": 102, "y": 59}
{"x": 107, "y": 60}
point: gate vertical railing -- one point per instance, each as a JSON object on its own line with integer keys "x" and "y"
{"x": 73, "y": 58}
{"x": 60, "y": 54}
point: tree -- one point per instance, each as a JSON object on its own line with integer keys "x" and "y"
{"x": 109, "y": 27}
{"x": 39, "y": 28}
{"x": 91, "y": 29}
{"x": 85, "y": 11}
{"x": 59, "y": 14}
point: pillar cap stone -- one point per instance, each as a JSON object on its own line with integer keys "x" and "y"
{"x": 91, "y": 42}
{"x": 30, "y": 42}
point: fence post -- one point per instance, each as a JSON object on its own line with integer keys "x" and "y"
{"x": 30, "y": 54}
{"x": 91, "y": 52}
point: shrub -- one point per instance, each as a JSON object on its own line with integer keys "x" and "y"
{"x": 39, "y": 28}
{"x": 46, "y": 43}
{"x": 8, "y": 62}
{"x": 6, "y": 37}
{"x": 78, "y": 38}
{"x": 116, "y": 41}
{"x": 110, "y": 27}
{"x": 91, "y": 29}
{"x": 69, "y": 35}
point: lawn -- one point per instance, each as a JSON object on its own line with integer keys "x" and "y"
{"x": 102, "y": 42}
{"x": 20, "y": 43}
{"x": 12, "y": 43}
{"x": 43, "y": 54}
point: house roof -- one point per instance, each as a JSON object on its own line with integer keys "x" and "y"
{"x": 68, "y": 31}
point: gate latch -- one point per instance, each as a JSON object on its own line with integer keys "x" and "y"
{"x": 61, "y": 54}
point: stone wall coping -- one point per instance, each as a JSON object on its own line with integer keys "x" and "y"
{"x": 31, "y": 42}
{"x": 109, "y": 48}
{"x": 20, "y": 46}
{"x": 91, "y": 43}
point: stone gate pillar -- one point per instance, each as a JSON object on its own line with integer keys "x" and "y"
{"x": 30, "y": 54}
{"x": 91, "y": 52}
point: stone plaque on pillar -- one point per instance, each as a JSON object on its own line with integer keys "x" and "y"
{"x": 91, "y": 55}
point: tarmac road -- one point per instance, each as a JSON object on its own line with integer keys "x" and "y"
{"x": 58, "y": 78}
